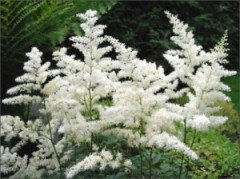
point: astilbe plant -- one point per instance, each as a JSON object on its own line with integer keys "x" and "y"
{"x": 141, "y": 104}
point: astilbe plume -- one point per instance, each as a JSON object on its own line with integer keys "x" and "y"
{"x": 202, "y": 72}
{"x": 142, "y": 109}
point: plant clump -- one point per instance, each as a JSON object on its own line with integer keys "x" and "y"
{"x": 110, "y": 92}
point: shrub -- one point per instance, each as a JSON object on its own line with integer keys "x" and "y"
{"x": 103, "y": 113}
{"x": 232, "y": 126}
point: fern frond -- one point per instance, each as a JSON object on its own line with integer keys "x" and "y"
{"x": 25, "y": 12}
{"x": 26, "y": 23}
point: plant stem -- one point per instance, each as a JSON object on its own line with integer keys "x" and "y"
{"x": 194, "y": 136}
{"x": 141, "y": 133}
{"x": 150, "y": 163}
{"x": 90, "y": 109}
{"x": 181, "y": 166}
{"x": 91, "y": 143}
{"x": 54, "y": 148}
{"x": 141, "y": 150}
{"x": 184, "y": 140}
{"x": 141, "y": 160}
{"x": 51, "y": 139}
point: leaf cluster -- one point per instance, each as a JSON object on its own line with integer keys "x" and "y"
{"x": 232, "y": 127}
{"x": 45, "y": 23}
{"x": 219, "y": 157}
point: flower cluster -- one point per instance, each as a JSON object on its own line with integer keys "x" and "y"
{"x": 32, "y": 81}
{"x": 98, "y": 95}
{"x": 102, "y": 160}
{"x": 202, "y": 72}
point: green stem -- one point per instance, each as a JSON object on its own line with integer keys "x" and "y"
{"x": 141, "y": 133}
{"x": 54, "y": 148}
{"x": 140, "y": 147}
{"x": 141, "y": 160}
{"x": 91, "y": 143}
{"x": 194, "y": 137}
{"x": 51, "y": 139}
{"x": 150, "y": 163}
{"x": 90, "y": 103}
{"x": 89, "y": 108}
{"x": 90, "y": 116}
{"x": 184, "y": 140}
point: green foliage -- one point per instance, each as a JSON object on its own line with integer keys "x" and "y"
{"x": 182, "y": 100}
{"x": 219, "y": 157}
{"x": 106, "y": 101}
{"x": 232, "y": 127}
{"x": 164, "y": 164}
{"x": 143, "y": 25}
{"x": 43, "y": 23}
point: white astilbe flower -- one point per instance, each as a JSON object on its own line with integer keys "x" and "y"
{"x": 205, "y": 84}
{"x": 138, "y": 104}
{"x": 99, "y": 160}
{"x": 83, "y": 83}
{"x": 167, "y": 141}
{"x": 127, "y": 164}
{"x": 188, "y": 57}
{"x": 31, "y": 132}
{"x": 11, "y": 162}
{"x": 160, "y": 120}
{"x": 13, "y": 126}
{"x": 22, "y": 99}
{"x": 208, "y": 89}
{"x": 219, "y": 52}
{"x": 67, "y": 64}
{"x": 217, "y": 120}
{"x": 10, "y": 127}
{"x": 89, "y": 43}
{"x": 32, "y": 81}
{"x": 199, "y": 122}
